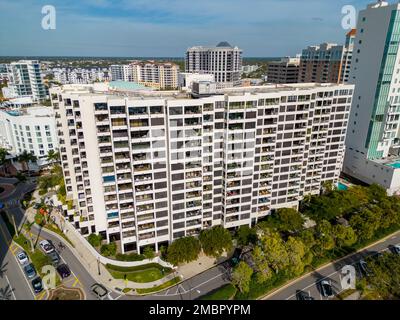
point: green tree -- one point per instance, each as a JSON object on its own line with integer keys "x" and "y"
{"x": 28, "y": 229}
{"x": 366, "y": 222}
{"x": 183, "y": 250}
{"x": 215, "y": 241}
{"x": 384, "y": 279}
{"x": 25, "y": 158}
{"x": 345, "y": 236}
{"x": 94, "y": 240}
{"x": 275, "y": 251}
{"x": 324, "y": 235}
{"x": 246, "y": 235}
{"x": 148, "y": 252}
{"x": 264, "y": 271}
{"x": 109, "y": 250}
{"x": 53, "y": 156}
{"x": 288, "y": 219}
{"x": 241, "y": 276}
{"x": 296, "y": 251}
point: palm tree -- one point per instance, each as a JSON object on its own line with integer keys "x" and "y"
{"x": 53, "y": 156}
{"x": 28, "y": 228}
{"x": 26, "y": 157}
{"x": 6, "y": 293}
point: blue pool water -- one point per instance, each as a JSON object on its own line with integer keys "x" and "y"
{"x": 341, "y": 186}
{"x": 395, "y": 165}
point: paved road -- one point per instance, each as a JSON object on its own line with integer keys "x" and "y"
{"x": 188, "y": 290}
{"x": 13, "y": 284}
{"x": 192, "y": 288}
{"x": 310, "y": 283}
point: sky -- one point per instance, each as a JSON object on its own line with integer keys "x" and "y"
{"x": 166, "y": 28}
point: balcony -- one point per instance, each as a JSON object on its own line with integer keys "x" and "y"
{"x": 236, "y": 116}
{"x": 144, "y": 188}
{"x": 144, "y": 207}
{"x": 192, "y": 204}
{"x": 149, "y": 216}
{"x": 194, "y": 194}
{"x": 192, "y": 175}
{"x": 139, "y": 123}
{"x": 142, "y": 167}
{"x": 147, "y": 197}
{"x": 193, "y": 110}
{"x": 146, "y": 226}
{"x": 140, "y": 134}
{"x": 142, "y": 178}
{"x": 141, "y": 157}
{"x": 141, "y": 146}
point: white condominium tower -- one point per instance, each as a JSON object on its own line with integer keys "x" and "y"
{"x": 25, "y": 79}
{"x": 223, "y": 61}
{"x": 161, "y": 75}
{"x": 373, "y": 139}
{"x": 145, "y": 167}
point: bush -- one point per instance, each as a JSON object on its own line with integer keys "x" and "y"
{"x": 148, "y": 252}
{"x": 130, "y": 257}
{"x": 109, "y": 250}
{"x": 94, "y": 240}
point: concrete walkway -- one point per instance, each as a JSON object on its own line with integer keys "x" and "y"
{"x": 87, "y": 259}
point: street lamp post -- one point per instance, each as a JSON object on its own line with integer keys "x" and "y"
{"x": 98, "y": 266}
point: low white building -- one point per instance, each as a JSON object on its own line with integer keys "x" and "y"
{"x": 186, "y": 79}
{"x": 32, "y": 129}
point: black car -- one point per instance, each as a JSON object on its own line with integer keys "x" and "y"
{"x": 37, "y": 285}
{"x": 301, "y": 295}
{"x": 364, "y": 268}
{"x": 326, "y": 288}
{"x": 395, "y": 249}
{"x": 63, "y": 271}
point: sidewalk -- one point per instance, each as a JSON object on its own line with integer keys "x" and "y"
{"x": 88, "y": 260}
{"x": 200, "y": 265}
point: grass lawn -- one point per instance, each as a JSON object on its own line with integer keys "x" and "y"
{"x": 226, "y": 292}
{"x": 165, "y": 285}
{"x": 141, "y": 274}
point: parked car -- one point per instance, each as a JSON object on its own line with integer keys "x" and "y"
{"x": 364, "y": 268}
{"x": 396, "y": 249}
{"x": 326, "y": 288}
{"x": 63, "y": 271}
{"x": 99, "y": 291}
{"x": 37, "y": 284}
{"x": 30, "y": 271}
{"x": 301, "y": 295}
{"x": 22, "y": 257}
{"x": 55, "y": 258}
{"x": 46, "y": 246}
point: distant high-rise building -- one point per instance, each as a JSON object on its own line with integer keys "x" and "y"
{"x": 373, "y": 137}
{"x": 328, "y": 62}
{"x": 347, "y": 55}
{"x": 25, "y": 80}
{"x": 162, "y": 75}
{"x": 146, "y": 168}
{"x": 223, "y": 61}
{"x": 284, "y": 71}
{"x": 321, "y": 64}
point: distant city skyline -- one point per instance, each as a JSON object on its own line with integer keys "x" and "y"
{"x": 141, "y": 28}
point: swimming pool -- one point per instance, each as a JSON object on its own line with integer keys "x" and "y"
{"x": 342, "y": 186}
{"x": 395, "y": 165}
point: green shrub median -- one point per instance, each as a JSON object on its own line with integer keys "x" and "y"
{"x": 161, "y": 287}
{"x": 226, "y": 292}
{"x": 145, "y": 273}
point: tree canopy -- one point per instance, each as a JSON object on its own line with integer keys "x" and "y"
{"x": 183, "y": 250}
{"x": 215, "y": 241}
